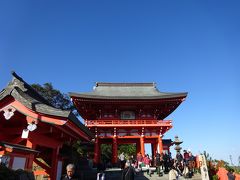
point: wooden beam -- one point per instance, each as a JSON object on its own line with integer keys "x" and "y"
{"x": 44, "y": 166}
{"x": 12, "y": 131}
{"x": 6, "y": 101}
{"x": 37, "y": 116}
{"x": 17, "y": 140}
{"x": 67, "y": 132}
{"x": 42, "y": 140}
{"x": 78, "y": 131}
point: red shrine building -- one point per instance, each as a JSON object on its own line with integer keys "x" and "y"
{"x": 33, "y": 131}
{"x": 127, "y": 113}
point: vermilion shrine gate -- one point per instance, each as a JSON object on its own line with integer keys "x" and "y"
{"x": 116, "y": 113}
{"x": 123, "y": 113}
{"x": 32, "y": 129}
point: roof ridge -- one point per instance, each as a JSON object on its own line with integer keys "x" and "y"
{"x": 152, "y": 84}
{"x": 18, "y": 81}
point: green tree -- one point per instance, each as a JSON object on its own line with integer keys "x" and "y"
{"x": 54, "y": 96}
{"x": 61, "y": 101}
{"x": 106, "y": 152}
{"x": 128, "y": 149}
{"x": 207, "y": 156}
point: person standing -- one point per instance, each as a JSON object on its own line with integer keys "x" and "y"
{"x": 158, "y": 163}
{"x": 147, "y": 162}
{"x": 166, "y": 162}
{"x": 139, "y": 160}
{"x": 128, "y": 172}
{"x": 230, "y": 174}
{"x": 179, "y": 157}
{"x": 70, "y": 173}
{"x": 122, "y": 160}
{"x": 191, "y": 163}
{"x": 185, "y": 157}
{"x": 132, "y": 161}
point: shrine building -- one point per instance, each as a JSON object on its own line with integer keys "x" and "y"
{"x": 127, "y": 113}
{"x": 33, "y": 131}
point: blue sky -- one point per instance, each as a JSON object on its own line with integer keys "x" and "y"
{"x": 185, "y": 45}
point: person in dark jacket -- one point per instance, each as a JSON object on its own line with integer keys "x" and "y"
{"x": 179, "y": 157}
{"x": 158, "y": 163}
{"x": 166, "y": 162}
{"x": 70, "y": 173}
{"x": 128, "y": 172}
{"x": 230, "y": 175}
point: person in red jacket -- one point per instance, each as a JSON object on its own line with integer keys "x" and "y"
{"x": 185, "y": 156}
{"x": 147, "y": 162}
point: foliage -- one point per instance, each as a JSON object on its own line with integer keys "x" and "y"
{"x": 214, "y": 165}
{"x": 61, "y": 101}
{"x": 234, "y": 169}
{"x": 237, "y": 169}
{"x": 212, "y": 168}
{"x": 54, "y": 96}
{"x": 207, "y": 156}
{"x": 79, "y": 149}
{"x": 222, "y": 163}
{"x": 128, "y": 149}
{"x": 106, "y": 152}
{"x": 215, "y": 177}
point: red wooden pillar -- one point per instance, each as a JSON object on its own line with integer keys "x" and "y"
{"x": 154, "y": 150}
{"x": 54, "y": 164}
{"x": 160, "y": 145}
{"x": 114, "y": 151}
{"x": 29, "y": 162}
{"x": 96, "y": 151}
{"x": 138, "y": 148}
{"x": 142, "y": 145}
{"x": 155, "y": 147}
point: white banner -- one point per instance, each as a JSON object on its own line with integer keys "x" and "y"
{"x": 203, "y": 167}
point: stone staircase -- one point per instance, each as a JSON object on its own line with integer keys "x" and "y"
{"x": 88, "y": 173}
{"x": 115, "y": 174}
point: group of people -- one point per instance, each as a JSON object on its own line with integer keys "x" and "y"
{"x": 130, "y": 165}
{"x": 136, "y": 163}
{"x": 181, "y": 165}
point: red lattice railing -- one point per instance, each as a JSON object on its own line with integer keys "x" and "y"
{"x": 128, "y": 122}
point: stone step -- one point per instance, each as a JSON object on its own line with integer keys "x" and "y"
{"x": 115, "y": 174}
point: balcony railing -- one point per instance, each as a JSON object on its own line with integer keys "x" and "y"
{"x": 110, "y": 123}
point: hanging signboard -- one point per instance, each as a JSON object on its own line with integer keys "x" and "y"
{"x": 25, "y": 133}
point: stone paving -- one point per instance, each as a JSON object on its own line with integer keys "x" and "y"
{"x": 164, "y": 177}
{"x": 115, "y": 174}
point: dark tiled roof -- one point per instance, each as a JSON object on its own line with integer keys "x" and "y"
{"x": 24, "y": 93}
{"x": 127, "y": 91}
{"x": 17, "y": 147}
